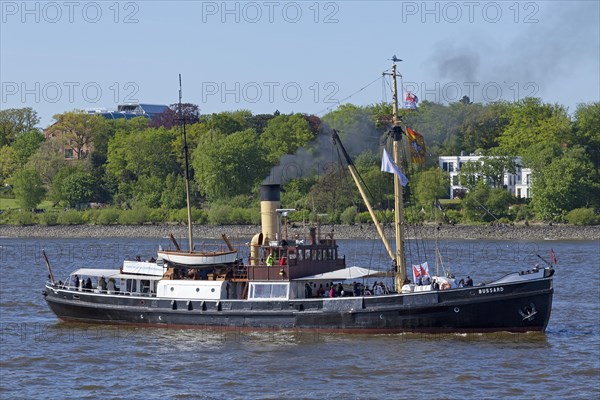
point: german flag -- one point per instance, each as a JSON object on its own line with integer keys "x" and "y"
{"x": 416, "y": 144}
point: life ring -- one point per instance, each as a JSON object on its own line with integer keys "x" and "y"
{"x": 444, "y": 286}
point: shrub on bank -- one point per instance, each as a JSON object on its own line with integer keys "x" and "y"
{"x": 48, "y": 218}
{"x": 582, "y": 216}
{"x": 18, "y": 217}
{"x": 180, "y": 216}
{"x": 107, "y": 216}
{"x": 135, "y": 216}
{"x": 220, "y": 214}
{"x": 71, "y": 217}
{"x": 349, "y": 216}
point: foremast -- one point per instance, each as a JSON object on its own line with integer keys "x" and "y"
{"x": 396, "y": 133}
{"x": 187, "y": 172}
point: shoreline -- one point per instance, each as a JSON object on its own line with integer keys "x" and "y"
{"x": 364, "y": 231}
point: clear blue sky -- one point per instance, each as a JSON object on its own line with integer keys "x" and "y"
{"x": 302, "y": 56}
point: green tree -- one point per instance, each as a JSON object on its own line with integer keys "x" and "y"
{"x": 586, "y": 130}
{"x": 474, "y": 208}
{"x": 470, "y": 174}
{"x": 28, "y": 188}
{"x": 482, "y": 125}
{"x": 356, "y": 126}
{"x": 57, "y": 192}
{"x": 228, "y": 165}
{"x": 16, "y": 121}
{"x": 494, "y": 167}
{"x": 8, "y": 163}
{"x": 173, "y": 194}
{"x": 78, "y": 130}
{"x": 284, "y": 134}
{"x": 430, "y": 185}
{"x": 47, "y": 160}
{"x": 146, "y": 155}
{"x": 78, "y": 188}
{"x": 531, "y": 122}
{"x": 567, "y": 182}
{"x": 26, "y": 144}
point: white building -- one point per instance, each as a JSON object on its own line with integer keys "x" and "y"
{"x": 517, "y": 184}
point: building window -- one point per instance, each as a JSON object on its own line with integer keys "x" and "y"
{"x": 527, "y": 179}
{"x": 69, "y": 153}
{"x": 519, "y": 192}
{"x": 455, "y": 180}
{"x": 450, "y": 167}
{"x": 445, "y": 166}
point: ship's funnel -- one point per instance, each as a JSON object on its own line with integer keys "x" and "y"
{"x": 269, "y": 203}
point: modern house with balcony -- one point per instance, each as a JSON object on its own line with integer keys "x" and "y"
{"x": 517, "y": 184}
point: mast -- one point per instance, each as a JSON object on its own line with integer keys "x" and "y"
{"x": 187, "y": 172}
{"x": 396, "y": 132}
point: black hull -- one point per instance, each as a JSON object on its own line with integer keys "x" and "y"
{"x": 513, "y": 307}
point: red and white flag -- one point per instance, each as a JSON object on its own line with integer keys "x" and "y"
{"x": 420, "y": 271}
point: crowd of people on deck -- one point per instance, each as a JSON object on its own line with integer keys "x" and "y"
{"x": 444, "y": 284}
{"x": 332, "y": 290}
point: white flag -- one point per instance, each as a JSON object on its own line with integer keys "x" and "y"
{"x": 387, "y": 165}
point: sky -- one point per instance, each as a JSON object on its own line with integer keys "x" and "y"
{"x": 293, "y": 56}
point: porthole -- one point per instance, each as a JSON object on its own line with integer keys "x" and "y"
{"x": 456, "y": 309}
{"x": 212, "y": 290}
{"x": 172, "y": 289}
{"x": 197, "y": 290}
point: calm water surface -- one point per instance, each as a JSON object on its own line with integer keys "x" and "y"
{"x": 41, "y": 357}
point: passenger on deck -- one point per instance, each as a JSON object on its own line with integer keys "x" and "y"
{"x": 453, "y": 281}
{"x": 269, "y": 261}
{"x": 377, "y": 289}
{"x": 138, "y": 258}
{"x": 419, "y": 281}
{"x": 76, "y": 282}
{"x": 110, "y": 287}
{"x": 339, "y": 291}
{"x": 469, "y": 282}
{"x": 435, "y": 285}
{"x": 88, "y": 284}
{"x": 426, "y": 280}
{"x": 307, "y": 291}
{"x": 320, "y": 291}
{"x": 102, "y": 285}
{"x": 332, "y": 291}
{"x": 282, "y": 261}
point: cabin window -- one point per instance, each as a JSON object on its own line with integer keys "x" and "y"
{"x": 131, "y": 285}
{"x": 269, "y": 290}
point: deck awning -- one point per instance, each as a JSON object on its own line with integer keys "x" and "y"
{"x": 345, "y": 274}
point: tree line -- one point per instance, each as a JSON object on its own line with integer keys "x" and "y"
{"x": 139, "y": 163}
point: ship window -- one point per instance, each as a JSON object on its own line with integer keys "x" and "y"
{"x": 269, "y": 290}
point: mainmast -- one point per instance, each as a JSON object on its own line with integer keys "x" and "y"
{"x": 396, "y": 133}
{"x": 187, "y": 172}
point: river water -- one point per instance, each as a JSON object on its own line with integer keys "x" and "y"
{"x": 42, "y": 357}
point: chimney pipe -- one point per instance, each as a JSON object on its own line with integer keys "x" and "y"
{"x": 269, "y": 203}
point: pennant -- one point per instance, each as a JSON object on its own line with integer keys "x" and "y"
{"x": 417, "y": 146}
{"x": 388, "y": 165}
{"x": 552, "y": 256}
